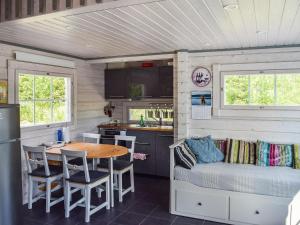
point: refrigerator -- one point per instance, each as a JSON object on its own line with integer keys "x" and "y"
{"x": 10, "y": 166}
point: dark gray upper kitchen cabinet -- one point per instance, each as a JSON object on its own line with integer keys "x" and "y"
{"x": 139, "y": 83}
{"x": 116, "y": 83}
{"x": 143, "y": 83}
{"x": 145, "y": 143}
{"x": 165, "y": 81}
{"x": 163, "y": 141}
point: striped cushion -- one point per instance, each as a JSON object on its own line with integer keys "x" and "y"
{"x": 296, "y": 149}
{"x": 238, "y": 151}
{"x": 221, "y": 145}
{"x": 184, "y": 156}
{"x": 274, "y": 154}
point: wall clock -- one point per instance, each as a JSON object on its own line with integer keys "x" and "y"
{"x": 201, "y": 77}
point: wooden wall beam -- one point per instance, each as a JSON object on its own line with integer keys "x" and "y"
{"x": 13, "y": 9}
{"x": 49, "y": 6}
{"x": 90, "y": 2}
{"x": 76, "y": 3}
{"x": 24, "y": 12}
{"x": 61, "y": 5}
{"x": 36, "y": 7}
{"x": 2, "y": 12}
{"x": 18, "y": 9}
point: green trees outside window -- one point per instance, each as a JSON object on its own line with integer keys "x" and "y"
{"x": 43, "y": 99}
{"x": 262, "y": 89}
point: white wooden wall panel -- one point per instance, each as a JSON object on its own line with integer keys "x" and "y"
{"x": 89, "y": 106}
{"x": 249, "y": 129}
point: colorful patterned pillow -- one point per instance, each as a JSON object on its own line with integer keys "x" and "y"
{"x": 274, "y": 154}
{"x": 296, "y": 149}
{"x": 238, "y": 151}
{"x": 222, "y": 145}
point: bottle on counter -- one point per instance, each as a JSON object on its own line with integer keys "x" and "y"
{"x": 142, "y": 122}
{"x": 59, "y": 135}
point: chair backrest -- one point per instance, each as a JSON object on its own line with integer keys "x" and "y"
{"x": 35, "y": 157}
{"x": 67, "y": 155}
{"x": 127, "y": 139}
{"x": 93, "y": 136}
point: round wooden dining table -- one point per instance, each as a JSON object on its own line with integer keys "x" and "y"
{"x": 96, "y": 151}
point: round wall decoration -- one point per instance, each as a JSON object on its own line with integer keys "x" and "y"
{"x": 201, "y": 77}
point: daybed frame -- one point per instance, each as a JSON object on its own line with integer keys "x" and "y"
{"x": 229, "y": 207}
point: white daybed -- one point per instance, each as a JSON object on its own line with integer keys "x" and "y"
{"x": 235, "y": 193}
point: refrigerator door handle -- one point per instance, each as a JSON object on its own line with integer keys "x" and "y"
{"x": 9, "y": 141}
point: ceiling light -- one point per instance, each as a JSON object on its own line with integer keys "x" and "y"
{"x": 88, "y": 45}
{"x": 231, "y": 7}
{"x": 207, "y": 44}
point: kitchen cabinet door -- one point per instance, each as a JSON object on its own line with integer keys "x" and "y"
{"x": 163, "y": 141}
{"x": 145, "y": 143}
{"x": 166, "y": 82}
{"x": 143, "y": 83}
{"x": 116, "y": 83}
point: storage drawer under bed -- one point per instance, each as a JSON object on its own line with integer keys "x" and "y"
{"x": 258, "y": 210}
{"x": 198, "y": 204}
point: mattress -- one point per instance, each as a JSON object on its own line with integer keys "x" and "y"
{"x": 275, "y": 181}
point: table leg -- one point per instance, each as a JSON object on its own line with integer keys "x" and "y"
{"x": 111, "y": 172}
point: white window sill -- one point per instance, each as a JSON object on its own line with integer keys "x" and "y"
{"x": 47, "y": 126}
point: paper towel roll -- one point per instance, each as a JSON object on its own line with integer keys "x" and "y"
{"x": 66, "y": 133}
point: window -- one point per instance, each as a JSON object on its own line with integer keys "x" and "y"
{"x": 268, "y": 89}
{"x": 151, "y": 115}
{"x": 44, "y": 98}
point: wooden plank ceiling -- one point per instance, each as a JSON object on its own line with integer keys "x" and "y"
{"x": 153, "y": 26}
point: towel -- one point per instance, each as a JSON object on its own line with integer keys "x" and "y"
{"x": 140, "y": 156}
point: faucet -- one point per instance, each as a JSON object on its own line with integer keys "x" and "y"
{"x": 158, "y": 120}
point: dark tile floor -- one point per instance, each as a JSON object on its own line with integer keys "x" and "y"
{"x": 147, "y": 206}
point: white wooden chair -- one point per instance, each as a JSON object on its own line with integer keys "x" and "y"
{"x": 40, "y": 172}
{"x": 91, "y": 136}
{"x": 84, "y": 180}
{"x": 122, "y": 166}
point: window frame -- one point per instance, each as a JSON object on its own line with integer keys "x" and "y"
{"x": 71, "y": 102}
{"x": 167, "y": 123}
{"x": 257, "y": 113}
{"x": 255, "y": 107}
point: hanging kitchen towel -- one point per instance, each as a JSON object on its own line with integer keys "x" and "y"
{"x": 140, "y": 156}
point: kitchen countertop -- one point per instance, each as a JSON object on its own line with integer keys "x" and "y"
{"x": 136, "y": 127}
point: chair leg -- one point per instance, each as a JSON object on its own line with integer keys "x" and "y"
{"x": 48, "y": 195}
{"x": 115, "y": 180}
{"x": 30, "y": 190}
{"x": 87, "y": 203}
{"x": 107, "y": 194}
{"x": 67, "y": 199}
{"x": 132, "y": 179}
{"x": 120, "y": 187}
